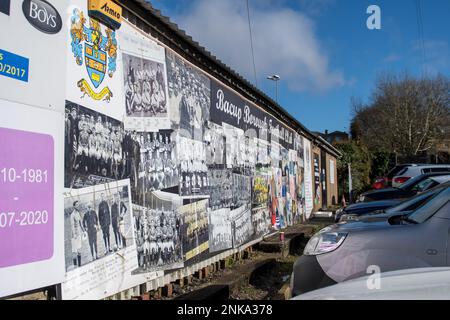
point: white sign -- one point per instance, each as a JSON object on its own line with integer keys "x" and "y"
{"x": 331, "y": 174}
{"x": 32, "y": 62}
{"x": 31, "y": 176}
{"x": 308, "y": 178}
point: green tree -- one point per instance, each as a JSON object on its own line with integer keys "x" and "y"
{"x": 358, "y": 156}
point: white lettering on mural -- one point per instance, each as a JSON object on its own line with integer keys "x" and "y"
{"x": 226, "y": 106}
{"x": 278, "y": 132}
{"x": 253, "y": 120}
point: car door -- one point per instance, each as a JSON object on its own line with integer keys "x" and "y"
{"x": 444, "y": 214}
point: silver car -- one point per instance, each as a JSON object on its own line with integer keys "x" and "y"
{"x": 388, "y": 242}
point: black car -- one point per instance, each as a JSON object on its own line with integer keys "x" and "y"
{"x": 360, "y": 208}
{"x": 406, "y": 190}
{"x": 404, "y": 205}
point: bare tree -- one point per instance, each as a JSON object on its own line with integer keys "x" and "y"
{"x": 406, "y": 116}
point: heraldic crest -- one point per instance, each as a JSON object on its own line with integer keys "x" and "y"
{"x": 99, "y": 52}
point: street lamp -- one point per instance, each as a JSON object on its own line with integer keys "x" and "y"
{"x": 275, "y": 78}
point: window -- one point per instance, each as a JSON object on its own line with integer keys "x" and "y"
{"x": 436, "y": 169}
{"x": 423, "y": 185}
{"x": 431, "y": 207}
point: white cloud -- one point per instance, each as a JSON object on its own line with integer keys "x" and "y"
{"x": 284, "y": 41}
{"x": 392, "y": 58}
{"x": 437, "y": 53}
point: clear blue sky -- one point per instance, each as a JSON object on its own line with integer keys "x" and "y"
{"x": 322, "y": 49}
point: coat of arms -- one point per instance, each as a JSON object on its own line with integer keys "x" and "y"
{"x": 99, "y": 52}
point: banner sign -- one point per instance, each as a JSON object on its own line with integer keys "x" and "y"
{"x": 13, "y": 66}
{"x": 230, "y": 108}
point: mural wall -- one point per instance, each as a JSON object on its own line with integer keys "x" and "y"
{"x": 162, "y": 166}
{"x": 185, "y": 167}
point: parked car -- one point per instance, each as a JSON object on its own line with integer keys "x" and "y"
{"x": 359, "y": 208}
{"x": 406, "y": 284}
{"x": 414, "y": 170}
{"x": 403, "y": 206}
{"x": 345, "y": 250}
{"x": 385, "y": 182}
{"x": 403, "y": 172}
{"x": 418, "y": 184}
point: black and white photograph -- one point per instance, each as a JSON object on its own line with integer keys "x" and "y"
{"x": 150, "y": 162}
{"x": 242, "y": 225}
{"x": 94, "y": 147}
{"x": 234, "y": 136}
{"x": 241, "y": 190}
{"x": 158, "y": 235}
{"x": 220, "y": 189}
{"x": 158, "y": 166}
{"x": 298, "y": 145}
{"x": 97, "y": 223}
{"x": 275, "y": 153}
{"x": 220, "y": 230}
{"x": 145, "y": 87}
{"x": 215, "y": 142}
{"x": 189, "y": 93}
{"x": 195, "y": 228}
{"x": 241, "y": 149}
{"x": 193, "y": 172}
{"x": 261, "y": 221}
{"x": 262, "y": 152}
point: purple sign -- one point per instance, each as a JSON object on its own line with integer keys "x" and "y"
{"x": 26, "y": 197}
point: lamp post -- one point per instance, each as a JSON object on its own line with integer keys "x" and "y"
{"x": 275, "y": 78}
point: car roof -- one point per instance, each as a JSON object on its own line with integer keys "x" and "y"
{"x": 426, "y": 164}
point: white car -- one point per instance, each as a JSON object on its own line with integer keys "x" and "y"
{"x": 407, "y": 284}
{"x": 402, "y": 173}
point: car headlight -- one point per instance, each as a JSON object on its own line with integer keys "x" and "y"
{"x": 348, "y": 217}
{"x": 324, "y": 241}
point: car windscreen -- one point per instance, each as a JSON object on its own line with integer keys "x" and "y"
{"x": 424, "y": 185}
{"x": 411, "y": 183}
{"x": 430, "y": 207}
{"x": 414, "y": 202}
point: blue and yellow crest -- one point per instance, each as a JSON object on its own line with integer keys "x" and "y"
{"x": 99, "y": 52}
